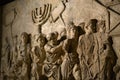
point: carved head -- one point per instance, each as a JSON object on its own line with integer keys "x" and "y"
{"x": 101, "y": 26}
{"x": 24, "y": 38}
{"x": 52, "y": 36}
{"x": 72, "y": 30}
{"x": 41, "y": 40}
{"x": 91, "y": 26}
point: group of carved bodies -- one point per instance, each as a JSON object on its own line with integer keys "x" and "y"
{"x": 76, "y": 56}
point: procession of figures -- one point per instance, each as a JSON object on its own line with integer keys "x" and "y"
{"x": 81, "y": 53}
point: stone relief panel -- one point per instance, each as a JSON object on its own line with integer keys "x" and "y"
{"x": 61, "y": 40}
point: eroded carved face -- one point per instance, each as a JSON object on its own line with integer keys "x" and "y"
{"x": 52, "y": 36}
{"x": 89, "y": 29}
{"x": 41, "y": 41}
{"x": 91, "y": 26}
{"x": 48, "y": 37}
{"x": 73, "y": 32}
{"x": 101, "y": 26}
{"x": 24, "y": 38}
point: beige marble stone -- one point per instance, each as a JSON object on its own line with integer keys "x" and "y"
{"x": 42, "y": 40}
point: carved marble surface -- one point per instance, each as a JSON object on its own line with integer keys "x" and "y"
{"x": 64, "y": 46}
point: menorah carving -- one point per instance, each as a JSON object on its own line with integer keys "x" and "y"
{"x": 41, "y": 15}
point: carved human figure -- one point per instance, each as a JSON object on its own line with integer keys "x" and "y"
{"x": 22, "y": 67}
{"x": 97, "y": 57}
{"x": 106, "y": 57}
{"x": 53, "y": 57}
{"x": 117, "y": 71}
{"x": 38, "y": 56}
{"x": 15, "y": 47}
{"x": 70, "y": 66}
{"x": 86, "y": 50}
{"x": 15, "y": 50}
{"x": 6, "y": 59}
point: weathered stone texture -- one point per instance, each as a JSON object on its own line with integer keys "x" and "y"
{"x": 21, "y": 16}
